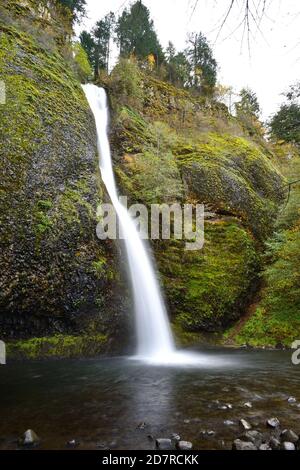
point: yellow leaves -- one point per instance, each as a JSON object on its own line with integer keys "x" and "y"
{"x": 151, "y": 61}
{"x": 128, "y": 159}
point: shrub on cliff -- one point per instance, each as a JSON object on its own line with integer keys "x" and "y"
{"x": 126, "y": 83}
{"x": 82, "y": 67}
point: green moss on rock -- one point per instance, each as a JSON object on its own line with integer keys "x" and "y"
{"x": 276, "y": 317}
{"x": 217, "y": 165}
{"x": 50, "y": 187}
{"x": 58, "y": 346}
{"x": 208, "y": 289}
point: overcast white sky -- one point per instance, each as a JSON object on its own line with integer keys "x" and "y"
{"x": 275, "y": 57}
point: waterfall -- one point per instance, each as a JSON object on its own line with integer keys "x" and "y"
{"x": 154, "y": 335}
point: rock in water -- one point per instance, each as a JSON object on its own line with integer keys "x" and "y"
{"x": 292, "y": 400}
{"x": 274, "y": 443}
{"x": 164, "y": 444}
{"x": 175, "y": 437}
{"x": 184, "y": 445}
{"x": 289, "y": 436}
{"x": 273, "y": 423}
{"x": 238, "y": 444}
{"x": 142, "y": 425}
{"x": 245, "y": 424}
{"x": 248, "y": 404}
{"x": 288, "y": 446}
{"x": 31, "y": 439}
{"x": 264, "y": 447}
{"x": 253, "y": 436}
{"x": 72, "y": 444}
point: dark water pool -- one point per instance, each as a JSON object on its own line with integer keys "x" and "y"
{"x": 101, "y": 402}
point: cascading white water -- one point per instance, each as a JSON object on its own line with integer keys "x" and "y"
{"x": 153, "y": 331}
{"x": 155, "y": 341}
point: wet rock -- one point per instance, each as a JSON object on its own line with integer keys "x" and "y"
{"x": 142, "y": 425}
{"x": 72, "y": 444}
{"x": 186, "y": 421}
{"x": 253, "y": 436}
{"x": 238, "y": 444}
{"x": 184, "y": 445}
{"x": 264, "y": 447}
{"x": 248, "y": 404}
{"x": 288, "y": 446}
{"x": 273, "y": 423}
{"x": 274, "y": 443}
{"x": 292, "y": 400}
{"x": 228, "y": 422}
{"x": 245, "y": 424}
{"x": 175, "y": 437}
{"x": 289, "y": 436}
{"x": 164, "y": 444}
{"x": 102, "y": 446}
{"x": 31, "y": 439}
{"x": 208, "y": 432}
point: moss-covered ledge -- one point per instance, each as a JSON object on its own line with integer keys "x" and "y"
{"x": 58, "y": 346}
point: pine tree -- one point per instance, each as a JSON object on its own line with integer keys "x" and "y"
{"x": 88, "y": 44}
{"x": 136, "y": 35}
{"x": 102, "y": 34}
{"x": 97, "y": 43}
{"x": 178, "y": 67}
{"x": 76, "y": 7}
{"x": 203, "y": 64}
{"x": 248, "y": 104}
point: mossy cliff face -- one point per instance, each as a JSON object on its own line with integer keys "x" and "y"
{"x": 171, "y": 147}
{"x": 56, "y": 276}
{"x": 274, "y": 320}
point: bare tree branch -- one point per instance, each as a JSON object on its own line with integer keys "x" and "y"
{"x": 252, "y": 13}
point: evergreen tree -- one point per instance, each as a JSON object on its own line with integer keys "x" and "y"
{"x": 178, "y": 67}
{"x": 294, "y": 92}
{"x": 102, "y": 34}
{"x": 170, "y": 52}
{"x": 76, "y": 7}
{"x": 202, "y": 62}
{"x": 248, "y": 104}
{"x": 88, "y": 44}
{"x": 285, "y": 124}
{"x": 248, "y": 111}
{"x": 136, "y": 34}
{"x": 97, "y": 43}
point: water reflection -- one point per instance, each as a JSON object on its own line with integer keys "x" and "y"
{"x": 102, "y": 402}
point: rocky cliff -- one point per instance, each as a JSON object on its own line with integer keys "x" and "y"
{"x": 172, "y": 147}
{"x": 62, "y": 290}
{"x": 56, "y": 277}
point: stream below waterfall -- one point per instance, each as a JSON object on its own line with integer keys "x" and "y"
{"x": 101, "y": 402}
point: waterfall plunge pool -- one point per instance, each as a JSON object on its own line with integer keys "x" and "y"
{"x": 101, "y": 402}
